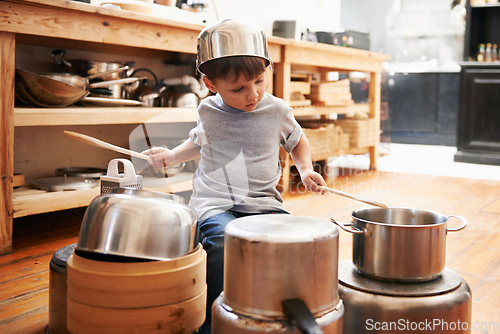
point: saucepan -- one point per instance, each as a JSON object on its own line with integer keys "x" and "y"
{"x": 84, "y": 82}
{"x": 399, "y": 244}
{"x": 86, "y": 67}
{"x": 43, "y": 91}
{"x": 58, "y": 90}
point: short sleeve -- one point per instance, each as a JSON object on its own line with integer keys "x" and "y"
{"x": 290, "y": 131}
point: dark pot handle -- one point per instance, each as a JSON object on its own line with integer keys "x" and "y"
{"x": 354, "y": 231}
{"x": 300, "y": 316}
{"x": 456, "y": 229}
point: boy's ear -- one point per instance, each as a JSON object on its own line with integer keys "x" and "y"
{"x": 209, "y": 84}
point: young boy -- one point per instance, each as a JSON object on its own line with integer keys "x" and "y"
{"x": 238, "y": 137}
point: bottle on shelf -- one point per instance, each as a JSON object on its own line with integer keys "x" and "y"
{"x": 487, "y": 53}
{"x": 494, "y": 53}
{"x": 480, "y": 55}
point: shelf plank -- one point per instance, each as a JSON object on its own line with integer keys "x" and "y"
{"x": 356, "y": 108}
{"x": 83, "y": 22}
{"x": 29, "y": 201}
{"x": 101, "y": 115}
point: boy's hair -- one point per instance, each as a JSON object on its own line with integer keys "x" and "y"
{"x": 231, "y": 67}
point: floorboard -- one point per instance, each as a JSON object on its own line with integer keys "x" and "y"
{"x": 473, "y": 252}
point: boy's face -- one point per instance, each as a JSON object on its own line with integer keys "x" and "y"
{"x": 239, "y": 93}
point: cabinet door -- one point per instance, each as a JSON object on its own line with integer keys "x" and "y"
{"x": 479, "y": 128}
{"x": 413, "y": 102}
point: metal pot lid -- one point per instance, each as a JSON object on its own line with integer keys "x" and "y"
{"x": 349, "y": 276}
{"x": 62, "y": 183}
{"x": 285, "y": 228}
{"x": 61, "y": 256}
{"x": 86, "y": 172}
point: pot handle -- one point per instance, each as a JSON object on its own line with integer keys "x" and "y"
{"x": 354, "y": 231}
{"x": 456, "y": 229}
{"x": 300, "y": 316}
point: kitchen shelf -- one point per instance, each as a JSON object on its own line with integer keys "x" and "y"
{"x": 487, "y": 5}
{"x": 357, "y": 108}
{"x": 30, "y": 201}
{"x": 136, "y": 115}
{"x": 107, "y": 115}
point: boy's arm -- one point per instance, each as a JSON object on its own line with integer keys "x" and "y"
{"x": 164, "y": 157}
{"x": 301, "y": 156}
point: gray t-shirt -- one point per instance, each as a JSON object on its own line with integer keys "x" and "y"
{"x": 239, "y": 165}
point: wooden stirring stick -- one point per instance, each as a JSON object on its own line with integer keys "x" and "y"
{"x": 355, "y": 197}
{"x": 102, "y": 144}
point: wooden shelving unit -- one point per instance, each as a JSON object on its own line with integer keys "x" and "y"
{"x": 80, "y": 26}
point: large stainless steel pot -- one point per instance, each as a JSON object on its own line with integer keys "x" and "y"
{"x": 138, "y": 226}
{"x": 280, "y": 276}
{"x": 271, "y": 258}
{"x": 399, "y": 244}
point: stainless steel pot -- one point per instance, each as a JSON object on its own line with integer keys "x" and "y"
{"x": 231, "y": 38}
{"x": 140, "y": 227}
{"x": 275, "y": 257}
{"x": 280, "y": 276}
{"x": 399, "y": 244}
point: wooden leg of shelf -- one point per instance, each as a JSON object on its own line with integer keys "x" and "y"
{"x": 284, "y": 183}
{"x": 282, "y": 74}
{"x": 374, "y": 98}
{"x": 7, "y": 66}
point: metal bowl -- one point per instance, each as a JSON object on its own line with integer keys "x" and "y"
{"x": 231, "y": 38}
{"x": 139, "y": 227}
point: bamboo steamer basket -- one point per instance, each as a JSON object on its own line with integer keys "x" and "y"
{"x": 138, "y": 297}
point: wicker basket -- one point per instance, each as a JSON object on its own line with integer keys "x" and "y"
{"x": 321, "y": 137}
{"x": 362, "y": 132}
{"x": 341, "y": 140}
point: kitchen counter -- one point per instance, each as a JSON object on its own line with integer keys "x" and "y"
{"x": 81, "y": 26}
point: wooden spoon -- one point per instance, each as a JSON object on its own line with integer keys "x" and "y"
{"x": 102, "y": 144}
{"x": 357, "y": 198}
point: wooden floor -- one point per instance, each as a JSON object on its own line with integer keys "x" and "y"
{"x": 474, "y": 252}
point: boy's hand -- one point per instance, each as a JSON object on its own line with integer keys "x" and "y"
{"x": 159, "y": 157}
{"x": 312, "y": 180}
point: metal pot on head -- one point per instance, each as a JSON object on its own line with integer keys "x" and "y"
{"x": 399, "y": 244}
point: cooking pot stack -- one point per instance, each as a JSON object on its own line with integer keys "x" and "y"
{"x": 137, "y": 266}
{"x": 397, "y": 281}
{"x": 279, "y": 270}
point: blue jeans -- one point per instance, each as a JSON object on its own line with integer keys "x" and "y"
{"x": 212, "y": 240}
